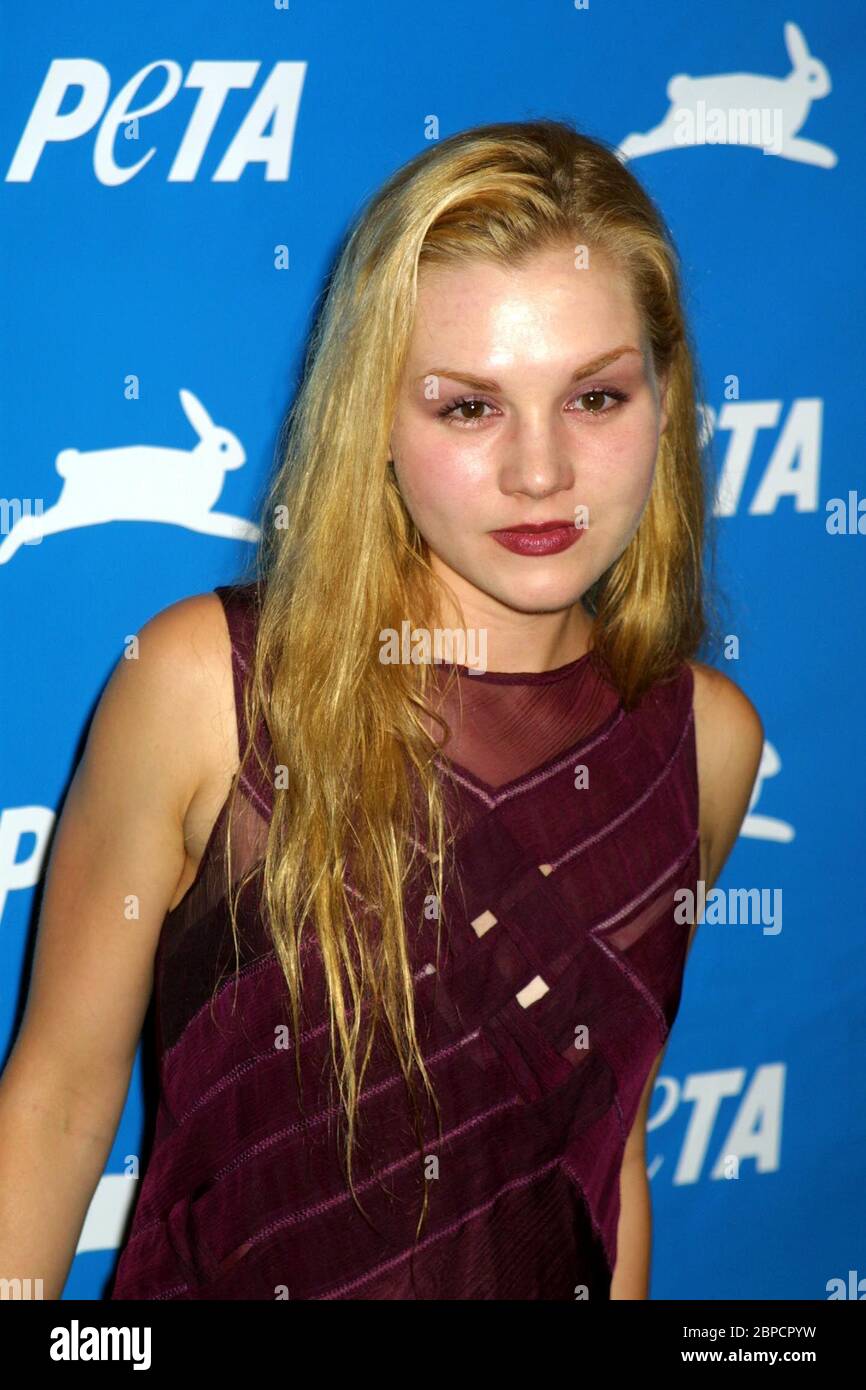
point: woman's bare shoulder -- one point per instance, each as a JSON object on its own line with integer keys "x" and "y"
{"x": 729, "y": 737}
{"x": 149, "y": 778}
{"x": 189, "y": 640}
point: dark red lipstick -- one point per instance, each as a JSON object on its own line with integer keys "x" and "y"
{"x": 542, "y": 538}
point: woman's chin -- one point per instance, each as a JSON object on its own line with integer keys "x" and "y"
{"x": 525, "y": 584}
{"x": 537, "y": 594}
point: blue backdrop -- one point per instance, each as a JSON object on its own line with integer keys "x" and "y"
{"x": 160, "y": 275}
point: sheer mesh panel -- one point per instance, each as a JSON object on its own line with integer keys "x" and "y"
{"x": 504, "y": 726}
{"x": 196, "y": 949}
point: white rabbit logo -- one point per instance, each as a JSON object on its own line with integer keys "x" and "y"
{"x": 143, "y": 482}
{"x": 758, "y": 827}
{"x": 735, "y": 107}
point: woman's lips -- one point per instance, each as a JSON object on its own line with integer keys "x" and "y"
{"x": 546, "y": 539}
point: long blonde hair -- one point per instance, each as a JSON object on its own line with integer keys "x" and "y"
{"x": 341, "y": 559}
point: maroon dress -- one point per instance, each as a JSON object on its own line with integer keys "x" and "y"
{"x": 558, "y": 981}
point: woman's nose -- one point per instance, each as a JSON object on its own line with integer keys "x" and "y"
{"x": 537, "y": 464}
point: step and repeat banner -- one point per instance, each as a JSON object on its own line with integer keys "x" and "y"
{"x": 177, "y": 178}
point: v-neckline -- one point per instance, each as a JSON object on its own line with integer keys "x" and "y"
{"x": 493, "y": 795}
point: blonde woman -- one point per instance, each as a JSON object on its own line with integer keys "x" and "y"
{"x": 418, "y": 944}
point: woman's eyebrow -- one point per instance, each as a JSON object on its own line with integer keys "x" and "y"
{"x": 596, "y": 364}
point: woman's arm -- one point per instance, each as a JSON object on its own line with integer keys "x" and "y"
{"x": 634, "y": 1232}
{"x": 116, "y": 860}
{"x": 729, "y": 742}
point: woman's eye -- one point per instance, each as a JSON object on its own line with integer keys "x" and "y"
{"x": 469, "y": 403}
{"x": 598, "y": 396}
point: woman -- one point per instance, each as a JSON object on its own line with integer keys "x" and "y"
{"x": 410, "y": 1053}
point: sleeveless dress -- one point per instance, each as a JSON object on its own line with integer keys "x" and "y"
{"x": 558, "y": 981}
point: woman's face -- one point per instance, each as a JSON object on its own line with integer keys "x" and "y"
{"x": 503, "y": 421}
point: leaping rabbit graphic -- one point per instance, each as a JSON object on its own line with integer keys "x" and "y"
{"x": 732, "y": 96}
{"x": 143, "y": 482}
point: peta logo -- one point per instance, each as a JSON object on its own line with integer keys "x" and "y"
{"x": 139, "y": 482}
{"x": 793, "y": 468}
{"x": 94, "y": 110}
{"x": 753, "y": 1133}
{"x": 743, "y": 108}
